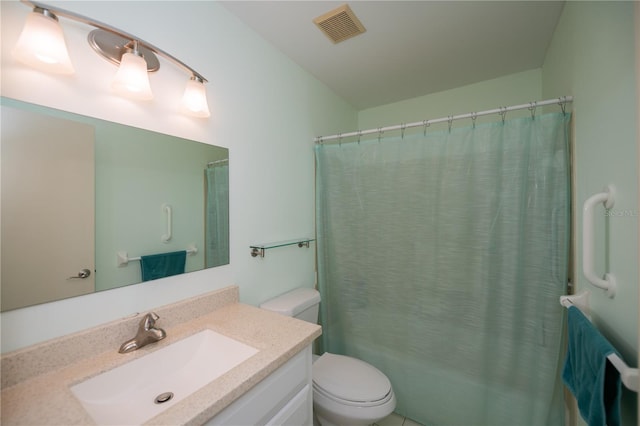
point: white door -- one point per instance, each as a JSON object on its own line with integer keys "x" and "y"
{"x": 47, "y": 208}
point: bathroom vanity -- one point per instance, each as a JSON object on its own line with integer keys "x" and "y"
{"x": 283, "y": 398}
{"x": 272, "y": 386}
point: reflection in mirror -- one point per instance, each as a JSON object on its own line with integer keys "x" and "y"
{"x": 78, "y": 193}
{"x": 217, "y": 213}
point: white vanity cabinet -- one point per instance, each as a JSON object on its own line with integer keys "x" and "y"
{"x": 282, "y": 398}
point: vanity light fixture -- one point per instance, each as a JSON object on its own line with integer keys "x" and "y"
{"x": 41, "y": 43}
{"x": 135, "y": 57}
{"x": 132, "y": 79}
{"x": 194, "y": 100}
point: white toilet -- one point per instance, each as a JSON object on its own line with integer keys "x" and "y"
{"x": 346, "y": 390}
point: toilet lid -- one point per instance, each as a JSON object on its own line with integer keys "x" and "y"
{"x": 349, "y": 378}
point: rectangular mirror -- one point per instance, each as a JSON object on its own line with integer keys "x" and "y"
{"x": 87, "y": 203}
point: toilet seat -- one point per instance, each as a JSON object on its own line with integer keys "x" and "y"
{"x": 350, "y": 381}
{"x": 319, "y": 391}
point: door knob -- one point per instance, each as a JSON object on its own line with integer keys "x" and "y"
{"x": 84, "y": 273}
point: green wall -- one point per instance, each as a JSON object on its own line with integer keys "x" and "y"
{"x": 512, "y": 89}
{"x": 592, "y": 57}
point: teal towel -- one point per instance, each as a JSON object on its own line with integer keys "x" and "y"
{"x": 162, "y": 265}
{"x": 588, "y": 374}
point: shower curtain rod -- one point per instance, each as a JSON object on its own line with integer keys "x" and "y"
{"x": 472, "y": 115}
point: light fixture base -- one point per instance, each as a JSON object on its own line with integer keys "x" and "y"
{"x": 112, "y": 46}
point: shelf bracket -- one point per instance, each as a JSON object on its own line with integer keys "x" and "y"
{"x": 257, "y": 251}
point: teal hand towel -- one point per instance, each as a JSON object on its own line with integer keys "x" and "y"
{"x": 588, "y": 374}
{"x": 162, "y": 265}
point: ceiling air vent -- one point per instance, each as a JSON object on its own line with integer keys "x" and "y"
{"x": 340, "y": 24}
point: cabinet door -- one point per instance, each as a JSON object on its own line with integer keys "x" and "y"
{"x": 284, "y": 396}
{"x": 296, "y": 412}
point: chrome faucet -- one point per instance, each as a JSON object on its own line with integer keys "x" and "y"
{"x": 147, "y": 333}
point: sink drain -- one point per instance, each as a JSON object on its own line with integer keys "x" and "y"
{"x": 163, "y": 397}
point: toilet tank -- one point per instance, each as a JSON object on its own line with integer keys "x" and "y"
{"x": 301, "y": 303}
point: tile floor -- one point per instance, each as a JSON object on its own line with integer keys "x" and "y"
{"x": 396, "y": 420}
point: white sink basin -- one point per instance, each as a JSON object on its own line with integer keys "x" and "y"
{"x": 127, "y": 394}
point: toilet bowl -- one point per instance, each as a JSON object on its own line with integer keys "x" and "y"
{"x": 346, "y": 391}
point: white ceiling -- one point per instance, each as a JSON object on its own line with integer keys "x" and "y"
{"x": 410, "y": 48}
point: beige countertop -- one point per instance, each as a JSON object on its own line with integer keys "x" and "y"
{"x": 36, "y": 386}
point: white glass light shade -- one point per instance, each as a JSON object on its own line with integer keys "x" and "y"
{"x": 132, "y": 79}
{"x": 41, "y": 45}
{"x": 194, "y": 100}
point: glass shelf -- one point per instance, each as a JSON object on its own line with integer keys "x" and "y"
{"x": 259, "y": 249}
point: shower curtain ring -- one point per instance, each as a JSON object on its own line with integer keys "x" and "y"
{"x": 380, "y": 132}
{"x": 450, "y": 120}
{"x": 563, "y": 105}
{"x": 403, "y": 127}
{"x": 532, "y": 108}
{"x": 340, "y": 139}
{"x": 474, "y": 115}
{"x": 426, "y": 124}
{"x": 359, "y": 136}
{"x": 503, "y": 113}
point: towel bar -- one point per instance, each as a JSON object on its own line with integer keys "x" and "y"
{"x": 122, "y": 257}
{"x": 580, "y": 301}
{"x": 630, "y": 376}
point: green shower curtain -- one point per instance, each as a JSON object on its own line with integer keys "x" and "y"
{"x": 441, "y": 259}
{"x": 217, "y": 215}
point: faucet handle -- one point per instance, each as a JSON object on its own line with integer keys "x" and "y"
{"x": 149, "y": 321}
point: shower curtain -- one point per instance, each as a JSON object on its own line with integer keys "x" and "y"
{"x": 441, "y": 258}
{"x": 217, "y": 215}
